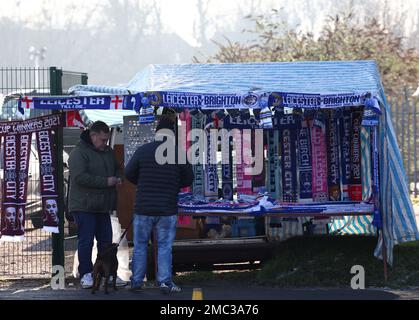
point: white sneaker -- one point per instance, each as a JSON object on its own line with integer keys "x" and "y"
{"x": 86, "y": 281}
{"x": 119, "y": 282}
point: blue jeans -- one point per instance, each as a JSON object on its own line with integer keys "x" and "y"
{"x": 89, "y": 226}
{"x": 165, "y": 235}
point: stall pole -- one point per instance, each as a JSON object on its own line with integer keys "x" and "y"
{"x": 58, "y": 238}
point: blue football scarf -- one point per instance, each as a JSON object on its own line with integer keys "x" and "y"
{"x": 198, "y": 169}
{"x": 289, "y": 127}
{"x": 305, "y": 162}
{"x": 211, "y": 175}
{"x": 333, "y": 157}
{"x": 227, "y": 170}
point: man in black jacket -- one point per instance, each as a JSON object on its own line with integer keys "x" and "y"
{"x": 156, "y": 206}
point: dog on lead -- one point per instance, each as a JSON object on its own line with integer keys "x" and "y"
{"x": 106, "y": 265}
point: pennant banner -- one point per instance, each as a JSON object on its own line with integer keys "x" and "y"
{"x": 49, "y": 192}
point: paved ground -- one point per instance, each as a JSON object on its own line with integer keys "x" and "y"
{"x": 215, "y": 290}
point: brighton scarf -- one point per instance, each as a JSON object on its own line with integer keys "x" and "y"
{"x": 305, "y": 162}
{"x": 289, "y": 128}
{"x": 49, "y": 192}
{"x": 333, "y": 157}
{"x": 345, "y": 128}
{"x": 355, "y": 187}
{"x": 319, "y": 158}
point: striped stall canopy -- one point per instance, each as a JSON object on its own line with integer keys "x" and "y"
{"x": 323, "y": 77}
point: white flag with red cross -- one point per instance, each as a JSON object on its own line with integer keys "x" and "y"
{"x": 116, "y": 102}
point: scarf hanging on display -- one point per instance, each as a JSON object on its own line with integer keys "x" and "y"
{"x": 319, "y": 158}
{"x": 211, "y": 175}
{"x": 258, "y": 182}
{"x": 49, "y": 193}
{"x": 185, "y": 127}
{"x": 227, "y": 168}
{"x": 243, "y": 157}
{"x": 198, "y": 169}
{"x": 305, "y": 162}
{"x": 273, "y": 163}
{"x": 355, "y": 187}
{"x": 289, "y": 126}
{"x": 10, "y": 188}
{"x": 185, "y": 119}
{"x": 333, "y": 157}
{"x": 345, "y": 128}
{"x": 24, "y": 152}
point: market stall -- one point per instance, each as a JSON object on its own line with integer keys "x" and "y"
{"x": 324, "y": 129}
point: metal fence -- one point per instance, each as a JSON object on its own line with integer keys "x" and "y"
{"x": 33, "y": 257}
{"x": 405, "y": 117}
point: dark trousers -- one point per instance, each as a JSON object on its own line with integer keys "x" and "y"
{"x": 90, "y": 226}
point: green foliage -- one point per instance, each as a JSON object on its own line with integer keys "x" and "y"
{"x": 341, "y": 39}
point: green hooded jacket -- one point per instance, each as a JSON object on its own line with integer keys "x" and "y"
{"x": 89, "y": 172}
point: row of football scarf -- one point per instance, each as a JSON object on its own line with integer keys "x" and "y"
{"x": 16, "y": 146}
{"x": 327, "y": 148}
{"x": 312, "y": 157}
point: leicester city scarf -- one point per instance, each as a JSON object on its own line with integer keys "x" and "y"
{"x": 289, "y": 128}
{"x": 333, "y": 157}
{"x": 355, "y": 187}
{"x": 25, "y": 141}
{"x": 49, "y": 192}
{"x": 10, "y": 188}
{"x": 345, "y": 128}
{"x": 319, "y": 158}
{"x": 305, "y": 162}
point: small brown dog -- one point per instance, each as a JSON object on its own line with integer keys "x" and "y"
{"x": 106, "y": 265}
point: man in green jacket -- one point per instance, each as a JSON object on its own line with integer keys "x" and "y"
{"x": 94, "y": 174}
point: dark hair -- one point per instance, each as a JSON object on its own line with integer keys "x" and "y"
{"x": 166, "y": 122}
{"x": 99, "y": 126}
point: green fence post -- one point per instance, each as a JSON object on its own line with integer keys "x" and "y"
{"x": 58, "y": 238}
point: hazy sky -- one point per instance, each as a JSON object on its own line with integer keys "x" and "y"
{"x": 179, "y": 16}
